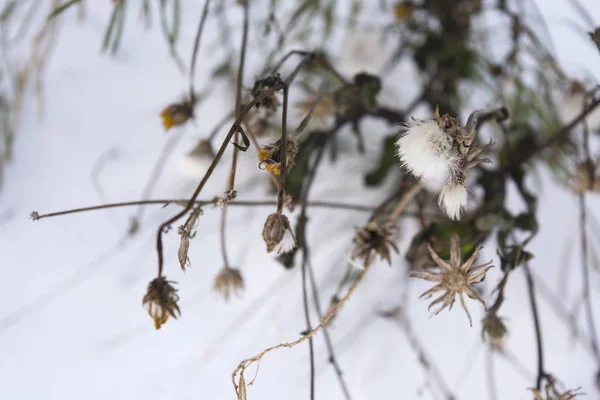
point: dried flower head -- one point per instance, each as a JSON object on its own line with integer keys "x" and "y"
{"x": 372, "y": 240}
{"x": 195, "y": 163}
{"x": 438, "y": 151}
{"x": 177, "y": 113}
{"x": 270, "y": 102}
{"x": 454, "y": 278}
{"x": 270, "y": 155}
{"x": 494, "y": 331}
{"x": 229, "y": 281}
{"x": 552, "y": 394}
{"x": 586, "y": 178}
{"x": 278, "y": 235}
{"x": 161, "y": 301}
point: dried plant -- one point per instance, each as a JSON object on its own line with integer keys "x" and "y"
{"x": 374, "y": 240}
{"x": 551, "y": 394}
{"x": 438, "y": 154}
{"x": 278, "y": 235}
{"x": 454, "y": 278}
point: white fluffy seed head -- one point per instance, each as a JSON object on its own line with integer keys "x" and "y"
{"x": 426, "y": 151}
{"x": 287, "y": 243}
{"x": 452, "y": 199}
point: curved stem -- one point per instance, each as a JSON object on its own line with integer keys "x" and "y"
{"x": 538, "y": 331}
{"x": 196, "y": 46}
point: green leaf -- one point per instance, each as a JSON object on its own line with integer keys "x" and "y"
{"x": 58, "y": 10}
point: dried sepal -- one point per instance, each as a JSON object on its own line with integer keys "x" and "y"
{"x": 184, "y": 246}
{"x": 161, "y": 300}
{"x": 278, "y": 235}
{"x": 371, "y": 240}
{"x": 228, "y": 281}
{"x": 454, "y": 279}
{"x": 34, "y": 215}
{"x": 186, "y": 232}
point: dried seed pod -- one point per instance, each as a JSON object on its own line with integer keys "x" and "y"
{"x": 278, "y": 234}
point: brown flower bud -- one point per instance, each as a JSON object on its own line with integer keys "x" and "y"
{"x": 277, "y": 234}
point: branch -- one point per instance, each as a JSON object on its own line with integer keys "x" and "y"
{"x": 182, "y": 202}
{"x": 243, "y": 365}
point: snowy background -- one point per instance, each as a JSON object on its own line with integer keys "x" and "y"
{"x": 71, "y": 321}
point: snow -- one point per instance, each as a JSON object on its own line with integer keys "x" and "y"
{"x": 88, "y": 336}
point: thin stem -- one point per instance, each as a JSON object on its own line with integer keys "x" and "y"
{"x": 156, "y": 172}
{"x": 283, "y": 153}
{"x": 238, "y": 102}
{"x": 196, "y": 47}
{"x": 308, "y": 324}
{"x": 223, "y": 229}
{"x": 538, "y": 331}
{"x": 556, "y": 137}
{"x": 490, "y": 373}
{"x": 328, "y": 341}
{"x": 219, "y": 125}
{"x": 427, "y": 363}
{"x": 408, "y": 196}
{"x": 166, "y": 202}
{"x": 302, "y": 242}
{"x": 586, "y": 278}
{"x": 243, "y": 365}
{"x": 238, "y": 92}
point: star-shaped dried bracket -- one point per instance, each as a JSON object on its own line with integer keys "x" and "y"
{"x": 455, "y": 278}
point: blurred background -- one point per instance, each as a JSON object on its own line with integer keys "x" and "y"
{"x": 84, "y": 87}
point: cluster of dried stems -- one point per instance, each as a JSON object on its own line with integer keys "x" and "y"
{"x": 436, "y": 155}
